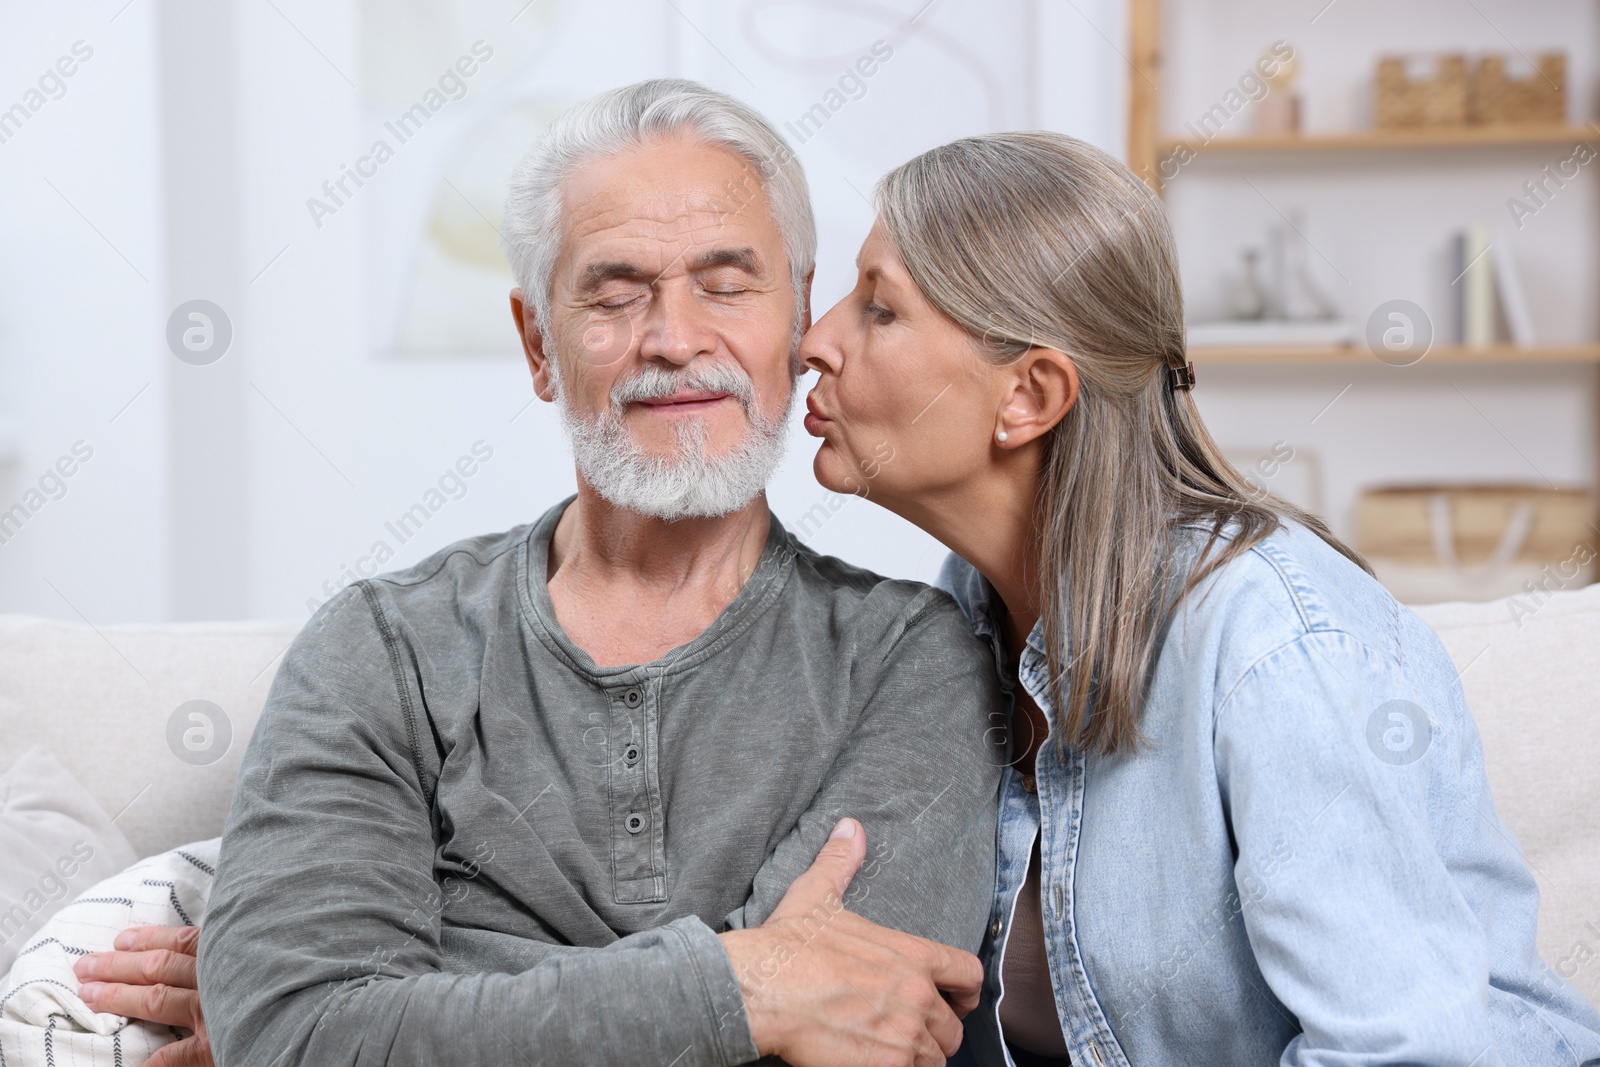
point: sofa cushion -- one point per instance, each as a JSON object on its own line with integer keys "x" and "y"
{"x": 104, "y": 701}
{"x": 1530, "y": 666}
{"x": 116, "y": 705}
{"x": 56, "y": 840}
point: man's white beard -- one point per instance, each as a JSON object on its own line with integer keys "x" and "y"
{"x": 689, "y": 483}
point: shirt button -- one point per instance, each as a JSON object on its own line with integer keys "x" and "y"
{"x": 1029, "y": 783}
{"x": 632, "y": 697}
{"x": 630, "y": 755}
{"x": 635, "y": 822}
{"x": 994, "y": 928}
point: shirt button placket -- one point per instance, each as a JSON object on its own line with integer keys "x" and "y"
{"x": 654, "y": 842}
{"x": 638, "y": 809}
{"x": 631, "y": 794}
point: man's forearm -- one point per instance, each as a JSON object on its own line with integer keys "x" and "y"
{"x": 664, "y": 996}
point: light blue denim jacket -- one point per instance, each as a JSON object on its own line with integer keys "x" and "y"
{"x": 1302, "y": 864}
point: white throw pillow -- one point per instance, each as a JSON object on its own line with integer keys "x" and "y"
{"x": 56, "y": 839}
{"x": 42, "y": 1020}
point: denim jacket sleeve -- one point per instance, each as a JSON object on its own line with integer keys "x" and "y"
{"x": 1300, "y": 864}
{"x": 1331, "y": 763}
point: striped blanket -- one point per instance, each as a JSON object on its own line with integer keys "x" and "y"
{"x": 42, "y": 1021}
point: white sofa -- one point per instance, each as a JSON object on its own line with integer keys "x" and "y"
{"x": 101, "y": 701}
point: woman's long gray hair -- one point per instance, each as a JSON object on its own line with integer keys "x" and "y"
{"x": 1041, "y": 240}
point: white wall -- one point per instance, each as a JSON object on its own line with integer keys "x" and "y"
{"x": 81, "y": 317}
{"x": 340, "y": 437}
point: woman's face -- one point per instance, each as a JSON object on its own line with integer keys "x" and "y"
{"x": 904, "y": 404}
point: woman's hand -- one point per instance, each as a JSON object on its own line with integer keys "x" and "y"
{"x": 824, "y": 986}
{"x": 151, "y": 977}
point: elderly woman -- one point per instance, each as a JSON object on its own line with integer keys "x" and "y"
{"x": 1245, "y": 819}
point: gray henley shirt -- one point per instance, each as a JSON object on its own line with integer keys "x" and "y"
{"x": 456, "y": 840}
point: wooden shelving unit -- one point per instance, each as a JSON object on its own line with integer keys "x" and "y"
{"x": 1386, "y": 140}
{"x": 1149, "y": 147}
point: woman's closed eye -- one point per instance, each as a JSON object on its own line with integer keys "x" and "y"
{"x": 878, "y": 315}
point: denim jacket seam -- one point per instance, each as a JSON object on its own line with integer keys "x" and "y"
{"x": 1538, "y": 1012}
{"x": 1321, "y": 620}
{"x": 1271, "y": 555}
{"x": 1261, "y": 661}
{"x": 1399, "y": 645}
{"x": 1098, "y": 1025}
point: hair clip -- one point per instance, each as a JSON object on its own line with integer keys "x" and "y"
{"x": 1181, "y": 377}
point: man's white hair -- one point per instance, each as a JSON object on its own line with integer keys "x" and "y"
{"x": 625, "y": 118}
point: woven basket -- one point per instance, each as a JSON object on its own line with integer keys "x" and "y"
{"x": 1403, "y": 102}
{"x": 1541, "y": 98}
{"x": 1401, "y": 522}
{"x": 1434, "y": 543}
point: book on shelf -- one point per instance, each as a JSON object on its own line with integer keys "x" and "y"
{"x": 1488, "y": 302}
{"x": 1477, "y": 289}
{"x": 1513, "y": 300}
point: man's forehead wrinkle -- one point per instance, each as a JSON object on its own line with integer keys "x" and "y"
{"x": 613, "y": 206}
{"x": 629, "y": 237}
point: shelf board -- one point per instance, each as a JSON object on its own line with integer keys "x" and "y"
{"x": 1368, "y": 140}
{"x": 1209, "y": 355}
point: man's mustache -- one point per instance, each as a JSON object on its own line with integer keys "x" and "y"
{"x": 653, "y": 382}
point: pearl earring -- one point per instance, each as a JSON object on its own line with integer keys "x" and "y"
{"x": 1002, "y": 436}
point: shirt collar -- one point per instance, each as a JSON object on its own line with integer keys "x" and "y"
{"x": 983, "y": 605}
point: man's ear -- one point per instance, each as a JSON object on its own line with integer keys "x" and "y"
{"x": 1039, "y": 389}
{"x": 532, "y": 346}
{"x": 805, "y": 312}
{"x": 797, "y": 365}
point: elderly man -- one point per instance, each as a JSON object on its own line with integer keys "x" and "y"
{"x": 551, "y": 795}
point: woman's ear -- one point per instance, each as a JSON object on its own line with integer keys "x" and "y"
{"x": 1040, "y": 388}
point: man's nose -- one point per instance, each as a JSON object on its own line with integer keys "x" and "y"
{"x": 677, "y": 328}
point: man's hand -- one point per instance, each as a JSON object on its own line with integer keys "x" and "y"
{"x": 151, "y": 977}
{"x": 824, "y": 986}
